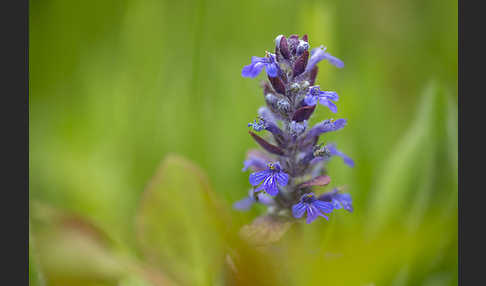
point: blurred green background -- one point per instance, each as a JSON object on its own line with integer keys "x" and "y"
{"x": 116, "y": 86}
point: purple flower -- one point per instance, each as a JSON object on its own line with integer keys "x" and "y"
{"x": 316, "y": 160}
{"x": 327, "y": 125}
{"x": 297, "y": 128}
{"x": 338, "y": 200}
{"x": 245, "y": 203}
{"x": 258, "y": 163}
{"x": 271, "y": 176}
{"x": 256, "y": 160}
{"x": 257, "y": 64}
{"x": 263, "y": 124}
{"x": 266, "y": 115}
{"x": 313, "y": 206}
{"x": 335, "y": 152}
{"x": 257, "y": 125}
{"x": 324, "y": 97}
{"x": 291, "y": 96}
{"x": 319, "y": 54}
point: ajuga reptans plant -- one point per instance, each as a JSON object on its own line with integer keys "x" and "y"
{"x": 293, "y": 162}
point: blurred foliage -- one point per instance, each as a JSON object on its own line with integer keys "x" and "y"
{"x": 118, "y": 86}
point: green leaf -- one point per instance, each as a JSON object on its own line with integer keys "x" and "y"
{"x": 36, "y": 277}
{"x": 404, "y": 173}
{"x": 179, "y": 221}
{"x": 71, "y": 250}
{"x": 452, "y": 151}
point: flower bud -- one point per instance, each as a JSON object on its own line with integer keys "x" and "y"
{"x": 302, "y": 47}
{"x": 295, "y": 87}
{"x": 304, "y": 85}
{"x": 283, "y": 105}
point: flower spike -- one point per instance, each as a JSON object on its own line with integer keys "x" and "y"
{"x": 291, "y": 163}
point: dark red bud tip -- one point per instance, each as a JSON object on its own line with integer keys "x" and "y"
{"x": 277, "y": 84}
{"x": 305, "y": 38}
{"x": 294, "y": 37}
{"x": 267, "y": 146}
{"x": 301, "y": 63}
{"x": 284, "y": 48}
{"x": 303, "y": 113}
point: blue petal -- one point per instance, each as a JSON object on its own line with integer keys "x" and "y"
{"x": 346, "y": 201}
{"x": 336, "y": 204}
{"x": 247, "y": 71}
{"x": 331, "y": 95}
{"x": 270, "y": 186}
{"x": 261, "y": 187}
{"x": 243, "y": 204}
{"x": 255, "y": 60}
{"x": 328, "y": 103}
{"x": 252, "y": 70}
{"x": 333, "y": 60}
{"x": 257, "y": 177}
{"x": 317, "y": 55}
{"x": 339, "y": 124}
{"x": 347, "y": 160}
{"x": 310, "y": 100}
{"x": 272, "y": 69}
{"x": 264, "y": 199}
{"x": 312, "y": 214}
{"x": 282, "y": 178}
{"x": 298, "y": 210}
{"x": 255, "y": 163}
{"x": 324, "y": 207}
{"x": 267, "y": 115}
{"x": 324, "y": 216}
{"x": 316, "y": 160}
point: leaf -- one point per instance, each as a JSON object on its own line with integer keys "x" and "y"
{"x": 178, "y": 223}
{"x": 452, "y": 151}
{"x": 277, "y": 84}
{"x": 267, "y": 146}
{"x": 317, "y": 181}
{"x": 71, "y": 250}
{"x": 404, "y": 173}
{"x": 303, "y": 113}
{"x": 265, "y": 230}
{"x": 36, "y": 277}
{"x": 284, "y": 48}
{"x": 301, "y": 63}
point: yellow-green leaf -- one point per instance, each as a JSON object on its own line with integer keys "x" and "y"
{"x": 179, "y": 221}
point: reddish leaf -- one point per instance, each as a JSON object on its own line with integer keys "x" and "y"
{"x": 267, "y": 146}
{"x": 266, "y": 88}
{"x": 301, "y": 63}
{"x": 317, "y": 181}
{"x": 277, "y": 84}
{"x": 284, "y": 48}
{"x": 303, "y": 113}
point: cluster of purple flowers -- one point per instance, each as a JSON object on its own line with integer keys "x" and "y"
{"x": 294, "y": 161}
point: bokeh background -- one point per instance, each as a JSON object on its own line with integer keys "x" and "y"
{"x": 117, "y": 86}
